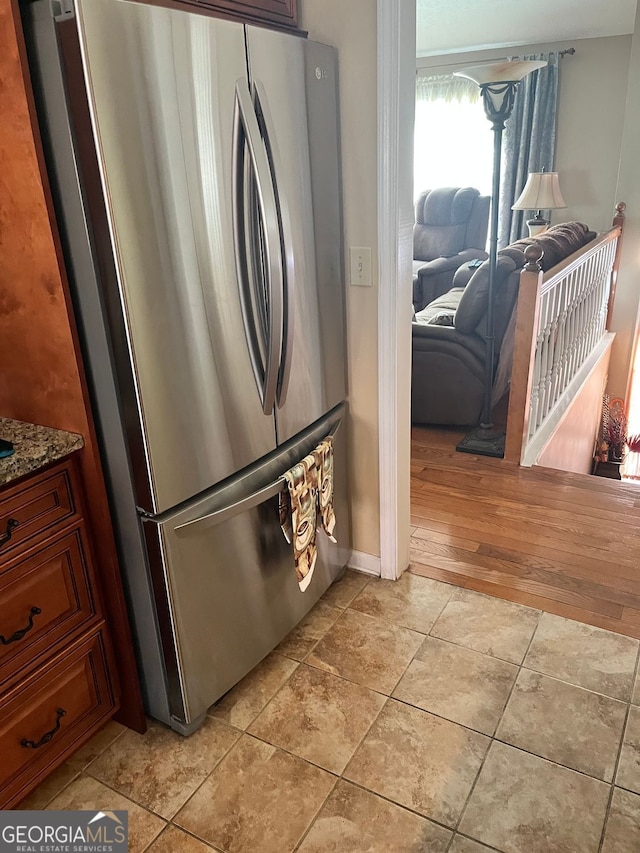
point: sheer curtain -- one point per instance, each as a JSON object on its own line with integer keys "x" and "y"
{"x": 453, "y": 140}
{"x": 528, "y": 142}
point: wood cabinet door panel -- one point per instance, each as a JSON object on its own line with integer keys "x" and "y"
{"x": 50, "y": 714}
{"x": 282, "y": 12}
{"x": 32, "y": 511}
{"x": 43, "y": 598}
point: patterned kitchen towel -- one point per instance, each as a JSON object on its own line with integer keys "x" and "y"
{"x": 298, "y": 516}
{"x": 306, "y": 503}
{"x": 324, "y": 463}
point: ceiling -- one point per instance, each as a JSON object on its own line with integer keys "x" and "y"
{"x": 453, "y": 26}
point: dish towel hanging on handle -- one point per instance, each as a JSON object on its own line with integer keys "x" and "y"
{"x": 324, "y": 464}
{"x": 306, "y": 503}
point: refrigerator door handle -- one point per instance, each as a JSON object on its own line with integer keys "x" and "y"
{"x": 210, "y": 519}
{"x": 246, "y": 136}
{"x": 270, "y": 137}
{"x": 213, "y": 518}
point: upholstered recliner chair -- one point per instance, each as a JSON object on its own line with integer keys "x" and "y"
{"x": 449, "y": 335}
{"x": 450, "y": 229}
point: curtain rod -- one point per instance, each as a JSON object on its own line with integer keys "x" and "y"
{"x": 568, "y": 51}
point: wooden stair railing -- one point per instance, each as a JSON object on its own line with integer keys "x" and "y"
{"x": 561, "y": 320}
{"x": 524, "y": 350}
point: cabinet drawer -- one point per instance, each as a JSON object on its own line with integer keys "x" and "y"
{"x": 43, "y": 597}
{"x": 29, "y": 512}
{"x": 42, "y": 720}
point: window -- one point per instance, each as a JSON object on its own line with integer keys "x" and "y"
{"x": 453, "y": 144}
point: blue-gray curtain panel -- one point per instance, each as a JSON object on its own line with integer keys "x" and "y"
{"x": 528, "y": 142}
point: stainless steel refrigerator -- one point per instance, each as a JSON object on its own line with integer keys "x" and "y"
{"x": 195, "y": 172}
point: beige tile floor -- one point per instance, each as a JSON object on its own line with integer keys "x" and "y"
{"x": 396, "y": 718}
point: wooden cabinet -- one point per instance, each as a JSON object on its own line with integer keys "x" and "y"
{"x": 31, "y": 510}
{"x": 58, "y": 682}
{"x": 278, "y": 14}
{"x": 43, "y": 382}
{"x": 283, "y": 13}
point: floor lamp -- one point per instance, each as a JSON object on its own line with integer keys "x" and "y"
{"x": 498, "y": 82}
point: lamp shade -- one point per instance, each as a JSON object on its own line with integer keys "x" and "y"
{"x": 498, "y": 82}
{"x": 500, "y": 72}
{"x": 541, "y": 192}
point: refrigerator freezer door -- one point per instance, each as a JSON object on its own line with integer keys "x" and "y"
{"x": 231, "y": 580}
{"x": 162, "y": 91}
{"x": 294, "y": 86}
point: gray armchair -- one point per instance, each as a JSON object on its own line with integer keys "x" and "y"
{"x": 450, "y": 229}
{"x": 449, "y": 335}
{"x": 449, "y": 342}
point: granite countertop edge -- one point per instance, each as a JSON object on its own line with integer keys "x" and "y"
{"x": 35, "y": 447}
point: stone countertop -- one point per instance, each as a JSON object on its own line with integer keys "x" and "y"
{"x": 34, "y": 447}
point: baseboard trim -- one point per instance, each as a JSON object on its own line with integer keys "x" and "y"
{"x": 363, "y": 562}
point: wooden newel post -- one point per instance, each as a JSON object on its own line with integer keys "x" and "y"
{"x": 527, "y": 313}
{"x": 618, "y": 222}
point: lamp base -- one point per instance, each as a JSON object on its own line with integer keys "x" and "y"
{"x": 483, "y": 441}
{"x": 537, "y": 225}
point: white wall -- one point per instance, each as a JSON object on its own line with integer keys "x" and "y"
{"x": 625, "y": 317}
{"x": 351, "y": 27}
{"x": 591, "y": 110}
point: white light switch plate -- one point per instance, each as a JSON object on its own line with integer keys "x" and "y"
{"x": 360, "y": 265}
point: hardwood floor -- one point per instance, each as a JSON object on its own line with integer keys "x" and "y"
{"x": 565, "y": 543}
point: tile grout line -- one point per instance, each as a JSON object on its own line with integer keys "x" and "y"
{"x": 474, "y": 841}
{"x": 245, "y": 730}
{"x": 408, "y": 704}
{"x": 321, "y": 600}
{"x": 46, "y": 805}
{"x": 572, "y": 683}
{"x": 304, "y": 660}
{"x": 607, "y": 812}
{"x": 492, "y": 738}
{"x": 340, "y": 777}
{"x": 147, "y": 808}
{"x": 357, "y": 747}
{"x": 315, "y": 816}
{"x": 172, "y": 825}
{"x": 387, "y": 697}
{"x": 210, "y": 773}
{"x": 550, "y": 761}
{"x": 361, "y": 741}
{"x": 131, "y": 799}
{"x": 401, "y": 806}
{"x": 83, "y": 769}
{"x": 150, "y": 811}
{"x": 191, "y": 834}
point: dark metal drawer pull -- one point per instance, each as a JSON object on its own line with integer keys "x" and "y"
{"x": 12, "y": 523}
{"x": 34, "y": 744}
{"x": 18, "y": 635}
